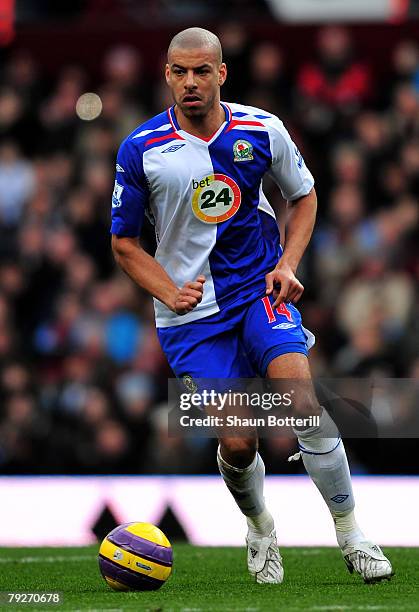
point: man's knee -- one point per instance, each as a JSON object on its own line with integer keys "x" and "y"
{"x": 321, "y": 438}
{"x": 238, "y": 452}
{"x": 305, "y": 403}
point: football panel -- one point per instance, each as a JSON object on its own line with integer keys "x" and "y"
{"x": 134, "y": 562}
{"x": 112, "y": 572}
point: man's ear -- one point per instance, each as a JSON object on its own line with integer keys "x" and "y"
{"x": 167, "y": 73}
{"x": 222, "y": 74}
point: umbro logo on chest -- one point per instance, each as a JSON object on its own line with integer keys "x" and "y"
{"x": 174, "y": 148}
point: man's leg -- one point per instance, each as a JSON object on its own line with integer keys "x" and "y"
{"x": 210, "y": 349}
{"x": 243, "y": 471}
{"x": 325, "y": 460}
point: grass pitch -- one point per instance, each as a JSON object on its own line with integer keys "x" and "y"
{"x": 204, "y": 579}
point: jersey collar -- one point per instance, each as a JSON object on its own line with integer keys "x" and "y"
{"x": 176, "y": 127}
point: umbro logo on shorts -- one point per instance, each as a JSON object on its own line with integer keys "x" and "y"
{"x": 284, "y": 325}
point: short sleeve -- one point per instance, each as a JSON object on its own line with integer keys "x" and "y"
{"x": 288, "y": 168}
{"x": 130, "y": 195}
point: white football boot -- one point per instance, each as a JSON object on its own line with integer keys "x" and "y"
{"x": 263, "y": 558}
{"x": 368, "y": 560}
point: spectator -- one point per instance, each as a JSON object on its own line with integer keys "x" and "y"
{"x": 82, "y": 375}
{"x": 268, "y": 86}
{"x": 17, "y": 183}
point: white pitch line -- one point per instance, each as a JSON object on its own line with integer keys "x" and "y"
{"x": 308, "y": 552}
{"x": 367, "y": 607}
{"x": 331, "y": 608}
{"x": 57, "y": 559}
{"x": 98, "y": 610}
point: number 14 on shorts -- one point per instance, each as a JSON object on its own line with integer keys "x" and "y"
{"x": 281, "y": 310}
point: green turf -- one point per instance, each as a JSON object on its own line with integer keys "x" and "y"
{"x": 213, "y": 579}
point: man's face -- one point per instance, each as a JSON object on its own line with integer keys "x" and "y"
{"x": 195, "y": 77}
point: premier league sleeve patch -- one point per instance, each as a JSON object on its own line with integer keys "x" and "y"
{"x": 116, "y": 196}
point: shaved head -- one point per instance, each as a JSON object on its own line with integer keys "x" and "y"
{"x": 195, "y": 72}
{"x": 196, "y": 38}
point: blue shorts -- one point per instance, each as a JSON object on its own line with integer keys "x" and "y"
{"x": 238, "y": 342}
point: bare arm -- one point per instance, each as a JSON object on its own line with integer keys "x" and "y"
{"x": 299, "y": 229}
{"x": 147, "y": 273}
{"x": 300, "y": 226}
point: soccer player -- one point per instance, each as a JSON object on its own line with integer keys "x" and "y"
{"x": 222, "y": 285}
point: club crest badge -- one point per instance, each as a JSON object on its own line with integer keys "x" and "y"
{"x": 189, "y": 383}
{"x": 243, "y": 151}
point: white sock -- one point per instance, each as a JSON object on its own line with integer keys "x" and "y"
{"x": 324, "y": 458}
{"x": 261, "y": 524}
{"x": 246, "y": 486}
{"x": 347, "y": 530}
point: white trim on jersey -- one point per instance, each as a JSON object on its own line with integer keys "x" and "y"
{"x": 253, "y": 128}
{"x": 162, "y": 128}
{"x": 264, "y": 204}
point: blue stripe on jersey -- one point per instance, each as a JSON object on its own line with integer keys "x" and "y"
{"x": 152, "y": 124}
{"x": 247, "y": 245}
{"x": 241, "y": 114}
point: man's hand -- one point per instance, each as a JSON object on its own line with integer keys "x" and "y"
{"x": 189, "y": 296}
{"x": 290, "y": 289}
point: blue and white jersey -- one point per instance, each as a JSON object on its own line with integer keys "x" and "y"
{"x": 205, "y": 199}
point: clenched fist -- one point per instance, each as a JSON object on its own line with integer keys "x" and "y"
{"x": 189, "y": 296}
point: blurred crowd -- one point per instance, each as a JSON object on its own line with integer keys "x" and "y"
{"x": 82, "y": 377}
